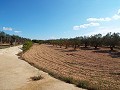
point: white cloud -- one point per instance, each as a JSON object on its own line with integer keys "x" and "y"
{"x": 104, "y": 30}
{"x": 17, "y": 31}
{"x": 86, "y": 26}
{"x": 118, "y": 12}
{"x": 98, "y": 19}
{"x": 7, "y": 28}
{"x": 76, "y": 27}
{"x": 116, "y": 17}
{"x": 94, "y": 21}
{"x": 89, "y": 25}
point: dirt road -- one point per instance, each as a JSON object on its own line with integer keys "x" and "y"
{"x": 15, "y": 74}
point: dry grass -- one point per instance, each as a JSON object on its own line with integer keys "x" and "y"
{"x": 85, "y": 68}
{"x": 4, "y": 46}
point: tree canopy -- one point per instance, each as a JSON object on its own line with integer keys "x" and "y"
{"x": 110, "y": 40}
{"x": 11, "y": 39}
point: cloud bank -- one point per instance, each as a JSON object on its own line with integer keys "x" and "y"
{"x": 104, "y": 30}
{"x": 96, "y": 21}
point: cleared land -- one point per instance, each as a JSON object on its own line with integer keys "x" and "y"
{"x": 98, "y": 67}
{"x": 15, "y": 74}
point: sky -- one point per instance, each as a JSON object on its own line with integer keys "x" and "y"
{"x": 51, "y": 19}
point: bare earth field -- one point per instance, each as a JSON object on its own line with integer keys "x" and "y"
{"x": 100, "y": 68}
{"x": 15, "y": 74}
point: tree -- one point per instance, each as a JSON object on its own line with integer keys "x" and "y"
{"x": 66, "y": 43}
{"x": 75, "y": 42}
{"x": 85, "y": 40}
{"x": 96, "y": 40}
{"x": 10, "y": 39}
{"x": 60, "y": 42}
{"x": 2, "y": 36}
{"x": 111, "y": 40}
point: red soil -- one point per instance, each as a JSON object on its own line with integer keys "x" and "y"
{"x": 97, "y": 67}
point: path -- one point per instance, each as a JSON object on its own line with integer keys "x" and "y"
{"x": 15, "y": 74}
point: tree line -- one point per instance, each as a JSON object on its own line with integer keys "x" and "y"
{"x": 11, "y": 39}
{"x": 110, "y": 40}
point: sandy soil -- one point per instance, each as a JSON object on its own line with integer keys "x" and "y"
{"x": 15, "y": 74}
{"x": 96, "y": 66}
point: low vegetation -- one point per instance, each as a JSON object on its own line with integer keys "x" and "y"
{"x": 68, "y": 79}
{"x": 82, "y": 84}
{"x": 27, "y": 45}
{"x": 36, "y": 78}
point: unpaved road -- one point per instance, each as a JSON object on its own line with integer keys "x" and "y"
{"x": 15, "y": 74}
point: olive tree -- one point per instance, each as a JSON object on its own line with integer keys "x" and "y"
{"x": 96, "y": 40}
{"x": 111, "y": 40}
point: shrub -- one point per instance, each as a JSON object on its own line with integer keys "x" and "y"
{"x": 86, "y": 85}
{"x": 82, "y": 84}
{"x": 35, "y": 78}
{"x": 27, "y": 45}
{"x": 68, "y": 79}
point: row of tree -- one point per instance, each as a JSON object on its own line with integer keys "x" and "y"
{"x": 11, "y": 39}
{"x": 110, "y": 40}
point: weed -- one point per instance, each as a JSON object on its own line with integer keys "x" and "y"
{"x": 35, "y": 78}
{"x": 82, "y": 84}
{"x": 67, "y": 79}
{"x": 27, "y": 45}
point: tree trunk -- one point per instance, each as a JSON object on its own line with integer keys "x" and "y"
{"x": 56, "y": 45}
{"x": 78, "y": 46}
{"x": 15, "y": 42}
{"x": 60, "y": 46}
{"x": 111, "y": 48}
{"x": 85, "y": 45}
{"x": 66, "y": 46}
{"x": 1, "y": 40}
{"x": 96, "y": 46}
{"x": 11, "y": 42}
{"x": 74, "y": 47}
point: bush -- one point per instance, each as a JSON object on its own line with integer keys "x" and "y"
{"x": 27, "y": 45}
{"x": 35, "y": 78}
{"x": 67, "y": 79}
{"x": 82, "y": 84}
{"x": 86, "y": 85}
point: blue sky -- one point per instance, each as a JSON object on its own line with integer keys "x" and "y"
{"x": 48, "y": 19}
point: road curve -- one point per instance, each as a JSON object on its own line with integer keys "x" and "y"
{"x": 15, "y": 74}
